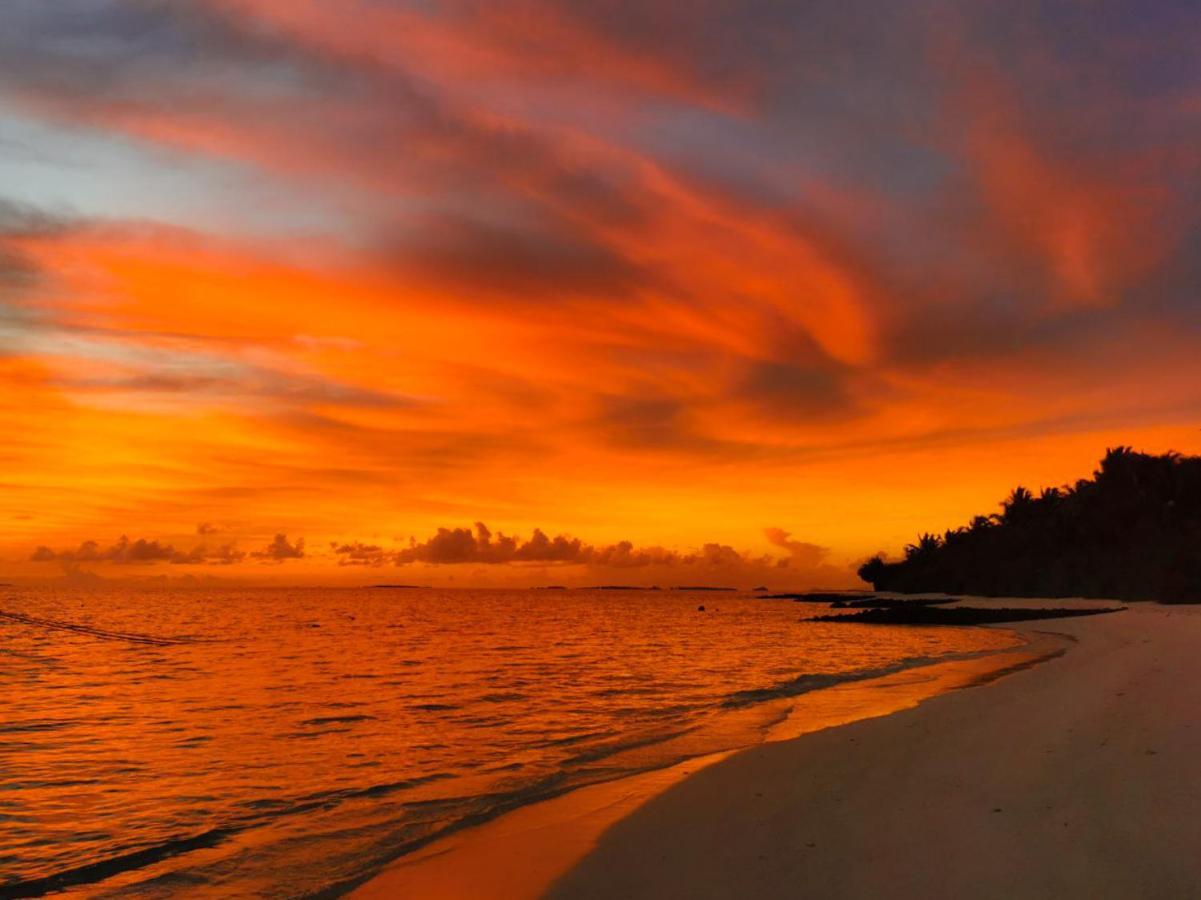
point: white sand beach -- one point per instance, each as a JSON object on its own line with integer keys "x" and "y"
{"x": 1079, "y": 777}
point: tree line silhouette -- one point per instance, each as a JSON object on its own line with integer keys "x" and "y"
{"x": 1131, "y": 532}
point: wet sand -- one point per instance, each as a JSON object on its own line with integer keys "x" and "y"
{"x": 1079, "y": 777}
{"x": 521, "y": 854}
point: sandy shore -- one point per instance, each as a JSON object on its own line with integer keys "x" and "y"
{"x": 1079, "y": 777}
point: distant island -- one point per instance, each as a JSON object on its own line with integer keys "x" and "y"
{"x": 1131, "y": 532}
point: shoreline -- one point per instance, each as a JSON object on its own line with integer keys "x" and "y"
{"x": 525, "y": 851}
{"x": 1073, "y": 778}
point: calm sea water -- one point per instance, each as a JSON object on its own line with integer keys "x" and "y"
{"x": 282, "y": 743}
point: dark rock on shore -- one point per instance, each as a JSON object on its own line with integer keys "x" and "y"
{"x": 909, "y": 613}
{"x": 892, "y": 602}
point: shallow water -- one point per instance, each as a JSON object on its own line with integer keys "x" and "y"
{"x": 281, "y": 743}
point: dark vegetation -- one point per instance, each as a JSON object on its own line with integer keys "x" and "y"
{"x": 928, "y": 614}
{"x": 1131, "y": 532}
{"x": 814, "y": 597}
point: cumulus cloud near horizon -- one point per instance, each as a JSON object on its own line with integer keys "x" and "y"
{"x": 281, "y": 549}
{"x": 479, "y": 545}
{"x": 126, "y": 551}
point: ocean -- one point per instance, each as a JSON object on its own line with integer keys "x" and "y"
{"x": 286, "y": 743}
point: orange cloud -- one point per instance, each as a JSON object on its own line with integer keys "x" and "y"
{"x": 281, "y": 549}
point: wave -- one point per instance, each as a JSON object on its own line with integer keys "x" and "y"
{"x": 803, "y": 684}
{"x": 596, "y": 754}
{"x": 31, "y": 727}
{"x": 331, "y": 720}
{"x": 259, "y": 813}
{"x": 114, "y": 865}
{"x": 91, "y": 631}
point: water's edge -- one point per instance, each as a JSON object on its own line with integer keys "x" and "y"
{"x": 517, "y": 852}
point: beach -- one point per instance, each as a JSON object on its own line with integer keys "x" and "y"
{"x": 1066, "y": 771}
{"x": 1077, "y": 777}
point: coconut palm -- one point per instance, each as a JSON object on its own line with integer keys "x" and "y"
{"x": 1133, "y": 531}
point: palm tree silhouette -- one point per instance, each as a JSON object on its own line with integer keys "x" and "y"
{"x": 1132, "y": 531}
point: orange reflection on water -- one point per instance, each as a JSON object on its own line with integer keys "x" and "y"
{"x": 228, "y": 742}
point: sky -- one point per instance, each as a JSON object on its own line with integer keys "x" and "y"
{"x": 579, "y": 291}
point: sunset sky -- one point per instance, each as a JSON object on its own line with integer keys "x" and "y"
{"x": 715, "y": 292}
